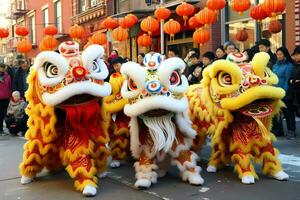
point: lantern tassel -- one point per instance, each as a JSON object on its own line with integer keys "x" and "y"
{"x": 185, "y": 18}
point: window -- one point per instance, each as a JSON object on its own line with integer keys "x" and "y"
{"x": 123, "y": 6}
{"x": 93, "y": 3}
{"x": 82, "y": 6}
{"x": 20, "y": 4}
{"x": 45, "y": 17}
{"x": 32, "y": 29}
{"x": 58, "y": 15}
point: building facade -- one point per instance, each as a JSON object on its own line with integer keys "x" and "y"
{"x": 36, "y": 15}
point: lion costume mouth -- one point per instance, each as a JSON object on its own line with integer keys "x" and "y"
{"x": 259, "y": 108}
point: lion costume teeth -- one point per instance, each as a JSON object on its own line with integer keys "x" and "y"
{"x": 159, "y": 122}
{"x": 65, "y": 119}
{"x": 235, "y": 103}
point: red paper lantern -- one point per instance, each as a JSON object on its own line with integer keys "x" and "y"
{"x": 275, "y": 26}
{"x": 144, "y": 40}
{"x": 162, "y": 13}
{"x": 76, "y": 31}
{"x": 216, "y": 4}
{"x": 3, "y": 33}
{"x": 206, "y": 16}
{"x": 258, "y": 13}
{"x": 273, "y": 7}
{"x": 98, "y": 38}
{"x": 201, "y": 36}
{"x": 128, "y": 21}
{"x": 120, "y": 34}
{"x": 49, "y": 43}
{"x": 172, "y": 27}
{"x": 24, "y": 46}
{"x": 22, "y": 31}
{"x": 149, "y": 25}
{"x": 240, "y": 5}
{"x": 185, "y": 10}
{"x": 193, "y": 23}
{"x": 109, "y": 23}
{"x": 50, "y": 30}
{"x": 241, "y": 35}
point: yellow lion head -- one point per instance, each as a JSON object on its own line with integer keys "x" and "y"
{"x": 245, "y": 87}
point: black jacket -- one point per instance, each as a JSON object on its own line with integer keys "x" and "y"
{"x": 294, "y": 87}
{"x": 19, "y": 82}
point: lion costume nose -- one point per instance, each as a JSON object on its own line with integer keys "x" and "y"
{"x": 153, "y": 87}
{"x": 256, "y": 81}
{"x": 79, "y": 72}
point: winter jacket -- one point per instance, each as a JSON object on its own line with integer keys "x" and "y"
{"x": 5, "y": 86}
{"x": 294, "y": 83}
{"x": 19, "y": 82}
{"x": 17, "y": 109}
{"x": 283, "y": 70}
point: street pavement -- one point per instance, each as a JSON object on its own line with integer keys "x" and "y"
{"x": 223, "y": 185}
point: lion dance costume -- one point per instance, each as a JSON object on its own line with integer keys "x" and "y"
{"x": 159, "y": 124}
{"x": 113, "y": 106}
{"x": 65, "y": 119}
{"x": 235, "y": 103}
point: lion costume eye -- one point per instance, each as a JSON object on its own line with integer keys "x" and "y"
{"x": 96, "y": 67}
{"x": 224, "y": 79}
{"x": 175, "y": 78}
{"x": 51, "y": 70}
{"x": 132, "y": 85}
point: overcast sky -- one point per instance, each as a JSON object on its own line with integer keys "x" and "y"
{"x": 3, "y": 13}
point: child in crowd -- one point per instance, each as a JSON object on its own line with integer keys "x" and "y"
{"x": 194, "y": 78}
{"x": 16, "y": 118}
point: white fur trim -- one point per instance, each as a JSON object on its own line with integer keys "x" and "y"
{"x": 211, "y": 169}
{"x": 193, "y": 178}
{"x": 85, "y": 87}
{"x": 281, "y": 176}
{"x": 187, "y": 164}
{"x": 156, "y": 102}
{"x": 165, "y": 70}
{"x": 114, "y": 164}
{"x": 135, "y": 145}
{"x": 57, "y": 60}
{"x": 26, "y": 180}
{"x": 248, "y": 179}
{"x": 185, "y": 125}
{"x": 90, "y": 54}
{"x": 136, "y": 73}
{"x": 142, "y": 183}
{"x": 89, "y": 191}
{"x": 128, "y": 94}
{"x": 181, "y": 147}
{"x": 146, "y": 172}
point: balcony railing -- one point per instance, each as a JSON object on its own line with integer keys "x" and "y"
{"x": 19, "y": 8}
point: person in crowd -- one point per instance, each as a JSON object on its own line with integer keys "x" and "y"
{"x": 140, "y": 59}
{"x": 5, "y": 92}
{"x": 194, "y": 62}
{"x": 173, "y": 52}
{"x": 190, "y": 53}
{"x": 208, "y": 58}
{"x": 116, "y": 64}
{"x": 20, "y": 80}
{"x": 283, "y": 69}
{"x": 195, "y": 76}
{"x": 220, "y": 53}
{"x": 293, "y": 93}
{"x": 248, "y": 53}
{"x": 16, "y": 118}
{"x": 264, "y": 45}
{"x": 229, "y": 47}
{"x": 126, "y": 59}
